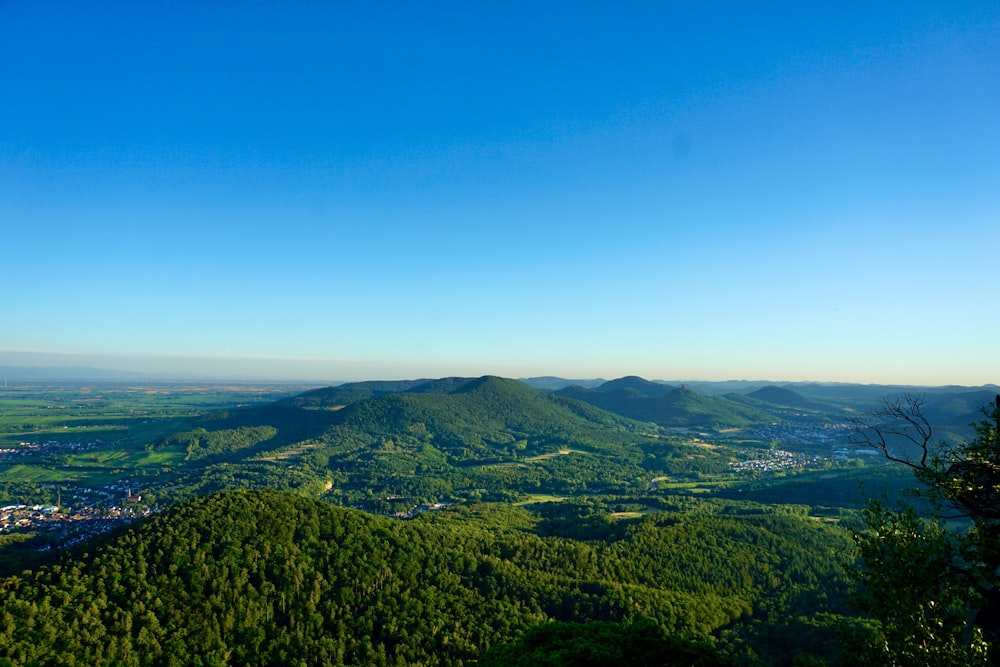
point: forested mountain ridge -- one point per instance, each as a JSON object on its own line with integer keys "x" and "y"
{"x": 781, "y": 396}
{"x": 955, "y": 407}
{"x": 268, "y": 577}
{"x": 427, "y": 441}
{"x": 641, "y": 386}
{"x": 489, "y": 433}
{"x": 784, "y": 404}
{"x": 508, "y": 409}
{"x": 490, "y": 437}
{"x": 334, "y": 398}
{"x": 666, "y": 405}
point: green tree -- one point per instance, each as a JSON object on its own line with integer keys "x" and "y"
{"x": 933, "y": 588}
{"x": 640, "y": 644}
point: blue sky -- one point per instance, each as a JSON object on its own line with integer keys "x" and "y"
{"x": 339, "y": 191}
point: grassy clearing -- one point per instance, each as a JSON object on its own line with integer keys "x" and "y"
{"x": 102, "y": 458}
{"x": 696, "y": 442}
{"x": 552, "y": 455}
{"x": 701, "y": 486}
{"x": 160, "y": 457}
{"x": 635, "y": 514}
{"x": 541, "y": 498}
{"x": 294, "y": 452}
{"x": 120, "y": 458}
{"x": 35, "y": 474}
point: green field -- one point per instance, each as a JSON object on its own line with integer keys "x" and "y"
{"x": 36, "y": 474}
{"x": 96, "y": 434}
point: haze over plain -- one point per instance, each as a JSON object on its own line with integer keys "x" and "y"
{"x": 324, "y": 191}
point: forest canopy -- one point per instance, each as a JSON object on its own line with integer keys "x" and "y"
{"x": 270, "y": 577}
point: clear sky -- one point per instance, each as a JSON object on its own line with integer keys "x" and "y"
{"x": 357, "y": 190}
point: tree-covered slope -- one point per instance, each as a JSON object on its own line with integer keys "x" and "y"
{"x": 477, "y": 415}
{"x": 634, "y": 383}
{"x": 781, "y": 396}
{"x": 785, "y": 404}
{"x": 667, "y": 406}
{"x": 351, "y": 392}
{"x": 335, "y": 398}
{"x": 482, "y": 415}
{"x": 269, "y": 578}
{"x": 493, "y": 434}
{"x": 958, "y": 408}
{"x": 487, "y": 435}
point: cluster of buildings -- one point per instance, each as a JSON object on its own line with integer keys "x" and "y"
{"x": 23, "y": 449}
{"x": 61, "y": 527}
{"x": 25, "y": 516}
{"x": 422, "y": 507}
{"x": 51, "y": 448}
{"x": 773, "y": 460}
{"x": 805, "y": 435}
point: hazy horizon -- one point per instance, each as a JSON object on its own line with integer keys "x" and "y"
{"x": 336, "y": 191}
{"x": 333, "y": 371}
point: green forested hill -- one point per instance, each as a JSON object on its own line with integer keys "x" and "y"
{"x": 667, "y": 406}
{"x": 488, "y": 435}
{"x": 636, "y": 384}
{"x": 786, "y": 404}
{"x": 485, "y": 413}
{"x": 272, "y": 578}
{"x": 451, "y": 407}
{"x": 781, "y": 396}
{"x": 334, "y": 398}
{"x": 960, "y": 407}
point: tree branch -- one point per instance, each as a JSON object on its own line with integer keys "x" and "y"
{"x": 899, "y": 418}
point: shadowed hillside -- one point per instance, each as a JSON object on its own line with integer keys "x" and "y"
{"x": 781, "y": 396}
{"x": 665, "y": 405}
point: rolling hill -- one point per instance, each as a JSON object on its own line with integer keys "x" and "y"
{"x": 429, "y": 440}
{"x": 666, "y": 405}
{"x": 781, "y": 396}
{"x": 487, "y": 409}
{"x": 334, "y": 398}
{"x": 488, "y": 437}
{"x": 786, "y": 404}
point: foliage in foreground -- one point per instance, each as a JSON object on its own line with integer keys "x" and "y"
{"x": 933, "y": 591}
{"x": 640, "y": 644}
{"x": 268, "y": 578}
